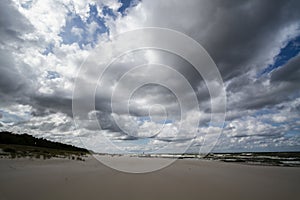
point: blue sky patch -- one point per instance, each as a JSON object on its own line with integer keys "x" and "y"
{"x": 78, "y": 31}
{"x": 292, "y": 133}
{"x": 109, "y": 12}
{"x": 52, "y": 75}
{"x": 126, "y": 4}
{"x": 26, "y": 4}
{"x": 83, "y": 33}
{"x": 148, "y": 119}
{"x": 49, "y": 49}
{"x": 286, "y": 53}
{"x": 264, "y": 111}
{"x": 11, "y": 118}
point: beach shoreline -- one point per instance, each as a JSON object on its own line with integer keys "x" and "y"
{"x": 184, "y": 179}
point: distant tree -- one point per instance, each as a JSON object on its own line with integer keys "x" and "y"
{"x": 28, "y": 140}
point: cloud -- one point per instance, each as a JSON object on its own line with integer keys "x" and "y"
{"x": 39, "y": 62}
{"x": 289, "y": 73}
{"x": 13, "y": 27}
{"x": 235, "y": 45}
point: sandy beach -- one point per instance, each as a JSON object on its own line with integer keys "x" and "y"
{"x": 185, "y": 179}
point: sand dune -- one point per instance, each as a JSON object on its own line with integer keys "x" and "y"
{"x": 185, "y": 179}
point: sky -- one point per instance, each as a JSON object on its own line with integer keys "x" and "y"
{"x": 255, "y": 45}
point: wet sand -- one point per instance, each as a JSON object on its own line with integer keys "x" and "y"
{"x": 185, "y": 179}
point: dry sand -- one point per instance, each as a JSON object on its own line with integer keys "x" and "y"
{"x": 55, "y": 179}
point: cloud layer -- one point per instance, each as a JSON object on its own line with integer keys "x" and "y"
{"x": 43, "y": 44}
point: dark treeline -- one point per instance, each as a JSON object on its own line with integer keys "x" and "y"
{"x": 28, "y": 140}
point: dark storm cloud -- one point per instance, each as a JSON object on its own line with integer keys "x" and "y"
{"x": 240, "y": 36}
{"x": 12, "y": 24}
{"x": 10, "y": 80}
{"x": 51, "y": 104}
{"x": 107, "y": 122}
{"x": 289, "y": 73}
{"x": 252, "y": 100}
{"x": 12, "y": 27}
{"x": 151, "y": 94}
{"x": 235, "y": 33}
{"x": 242, "y": 30}
{"x": 256, "y": 94}
{"x": 239, "y": 82}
